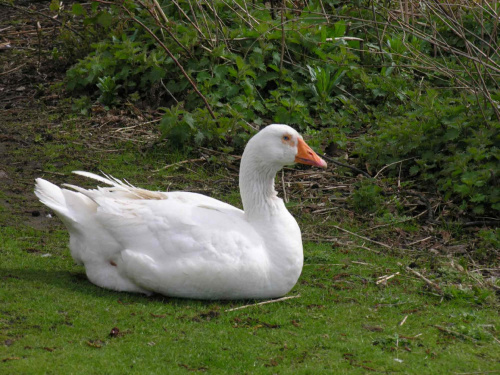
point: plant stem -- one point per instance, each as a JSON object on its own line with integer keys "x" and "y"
{"x": 282, "y": 35}
{"x": 184, "y": 73}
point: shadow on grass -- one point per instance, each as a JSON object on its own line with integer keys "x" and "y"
{"x": 77, "y": 282}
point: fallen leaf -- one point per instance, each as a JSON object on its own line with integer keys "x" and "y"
{"x": 272, "y": 363}
{"x": 373, "y": 328}
{"x": 313, "y": 306}
{"x": 446, "y": 235}
{"x": 212, "y": 314}
{"x": 10, "y": 359}
{"x": 125, "y": 303}
{"x": 158, "y": 315}
{"x": 202, "y": 368}
{"x": 455, "y": 249}
{"x": 95, "y": 343}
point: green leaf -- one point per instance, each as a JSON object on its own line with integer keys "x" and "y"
{"x": 462, "y": 189}
{"x": 340, "y": 28}
{"x": 262, "y": 79}
{"x": 188, "y": 118}
{"x": 104, "y": 19}
{"x": 239, "y": 62}
{"x": 478, "y": 210}
{"x": 203, "y": 76}
{"x": 156, "y": 74}
{"x": 323, "y": 34}
{"x": 386, "y": 71}
{"x": 451, "y": 134}
{"x": 199, "y": 138}
{"x": 469, "y": 178}
{"x": 54, "y": 6}
{"x": 478, "y": 198}
{"x": 78, "y": 10}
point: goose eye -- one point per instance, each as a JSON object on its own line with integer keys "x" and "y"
{"x": 286, "y": 138}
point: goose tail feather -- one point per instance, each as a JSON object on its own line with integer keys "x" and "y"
{"x": 51, "y": 196}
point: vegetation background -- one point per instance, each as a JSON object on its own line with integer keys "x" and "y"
{"x": 401, "y": 232}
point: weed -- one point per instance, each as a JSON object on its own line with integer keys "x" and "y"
{"x": 367, "y": 197}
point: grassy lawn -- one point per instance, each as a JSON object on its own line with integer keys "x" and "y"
{"x": 53, "y": 320}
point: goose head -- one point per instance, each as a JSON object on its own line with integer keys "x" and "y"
{"x": 278, "y": 145}
{"x": 265, "y": 154}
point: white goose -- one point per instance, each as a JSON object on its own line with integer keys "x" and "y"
{"x": 189, "y": 245}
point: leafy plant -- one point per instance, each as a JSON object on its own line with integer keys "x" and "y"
{"x": 456, "y": 153}
{"x": 384, "y": 86}
{"x": 367, "y": 197}
{"x": 109, "y": 90}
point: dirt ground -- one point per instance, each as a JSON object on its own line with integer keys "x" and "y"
{"x": 25, "y": 71}
{"x": 32, "y": 113}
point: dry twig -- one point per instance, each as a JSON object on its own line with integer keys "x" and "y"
{"x": 454, "y": 333}
{"x": 180, "y": 163}
{"x": 179, "y": 65}
{"x": 403, "y": 321}
{"x": 364, "y": 238}
{"x": 31, "y": 11}
{"x": 263, "y": 303}
{"x": 430, "y": 283}
{"x": 383, "y": 279}
{"x": 346, "y": 166}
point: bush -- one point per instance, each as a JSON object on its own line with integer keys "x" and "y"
{"x": 454, "y": 150}
{"x": 332, "y": 79}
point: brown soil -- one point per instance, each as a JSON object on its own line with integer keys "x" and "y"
{"x": 32, "y": 113}
{"x": 25, "y": 70}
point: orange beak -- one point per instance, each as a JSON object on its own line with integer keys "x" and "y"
{"x": 305, "y": 155}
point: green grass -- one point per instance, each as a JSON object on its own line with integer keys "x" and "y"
{"x": 54, "y": 321}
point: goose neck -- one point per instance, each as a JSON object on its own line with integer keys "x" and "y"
{"x": 257, "y": 187}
